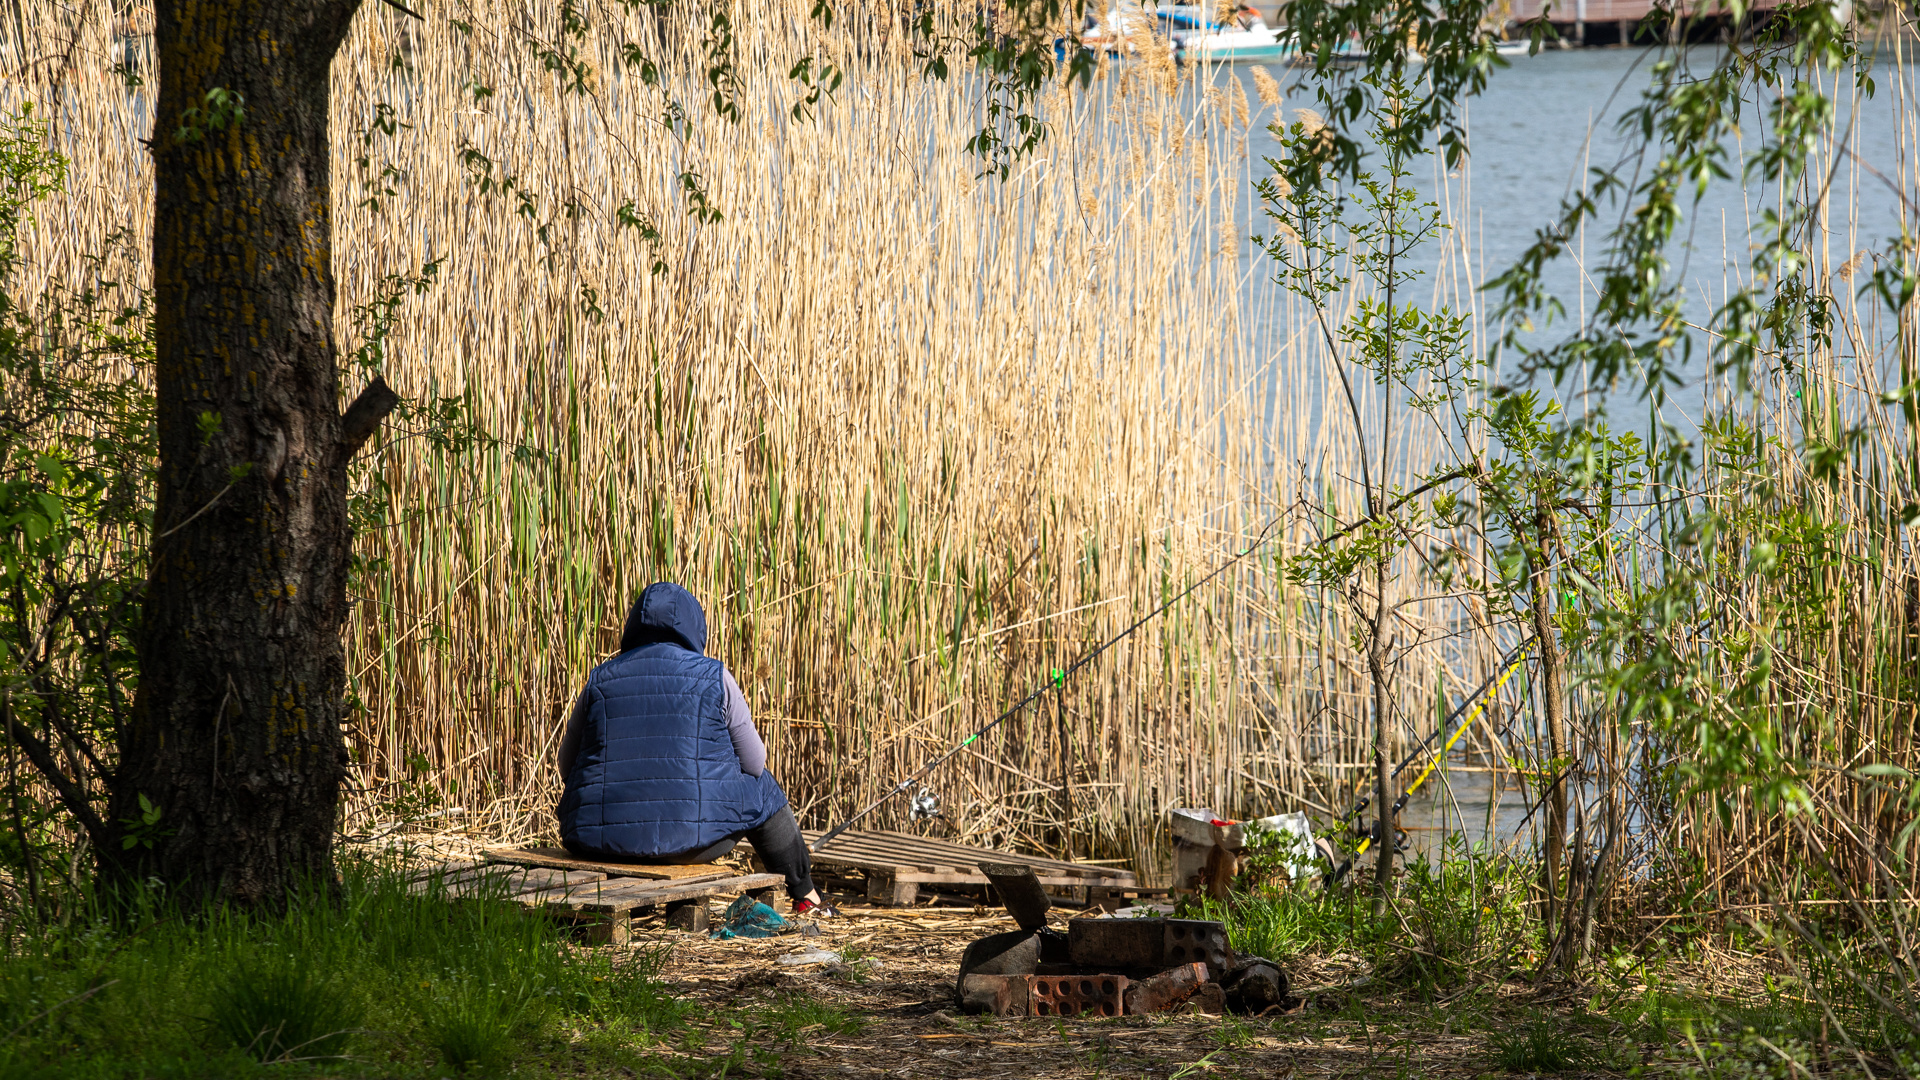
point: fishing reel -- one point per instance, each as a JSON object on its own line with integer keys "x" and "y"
{"x": 924, "y": 806}
{"x": 1371, "y": 834}
{"x": 1368, "y": 834}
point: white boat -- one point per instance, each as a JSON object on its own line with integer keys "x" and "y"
{"x": 1125, "y": 28}
{"x": 1123, "y": 31}
{"x": 1244, "y": 36}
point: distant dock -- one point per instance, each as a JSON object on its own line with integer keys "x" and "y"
{"x": 1625, "y": 22}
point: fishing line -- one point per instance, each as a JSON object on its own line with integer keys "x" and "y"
{"x": 1056, "y": 681}
{"x": 1478, "y": 700}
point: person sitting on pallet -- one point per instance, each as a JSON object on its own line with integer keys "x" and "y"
{"x": 662, "y": 762}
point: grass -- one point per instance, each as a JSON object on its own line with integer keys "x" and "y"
{"x": 792, "y": 1018}
{"x": 1451, "y": 921}
{"x": 388, "y": 983}
{"x": 277, "y": 1007}
{"x": 374, "y": 973}
{"x": 1540, "y": 1043}
{"x": 1233, "y": 1033}
{"x": 471, "y": 1020}
{"x": 628, "y": 996}
{"x": 373, "y": 979}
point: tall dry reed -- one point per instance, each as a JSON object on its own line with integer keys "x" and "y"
{"x": 1844, "y": 620}
{"x": 916, "y": 436}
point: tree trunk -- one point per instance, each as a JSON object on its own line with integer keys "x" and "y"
{"x": 1553, "y": 704}
{"x": 235, "y": 734}
{"x": 1385, "y": 827}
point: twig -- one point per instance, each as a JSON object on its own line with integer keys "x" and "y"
{"x": 197, "y": 513}
{"x": 1469, "y": 469}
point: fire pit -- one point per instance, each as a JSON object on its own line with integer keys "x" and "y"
{"x": 1105, "y": 966}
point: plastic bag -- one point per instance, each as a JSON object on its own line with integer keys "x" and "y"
{"x": 748, "y": 918}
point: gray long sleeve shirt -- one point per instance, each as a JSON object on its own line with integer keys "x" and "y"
{"x": 746, "y": 739}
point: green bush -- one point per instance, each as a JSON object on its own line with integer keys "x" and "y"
{"x": 78, "y": 448}
{"x": 1447, "y": 919}
{"x": 1451, "y": 918}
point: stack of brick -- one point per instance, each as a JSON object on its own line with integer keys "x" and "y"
{"x": 1106, "y": 966}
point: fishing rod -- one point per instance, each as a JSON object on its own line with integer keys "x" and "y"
{"x": 1056, "y": 681}
{"x": 1495, "y": 682}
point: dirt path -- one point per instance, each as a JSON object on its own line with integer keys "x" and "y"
{"x": 903, "y": 1023}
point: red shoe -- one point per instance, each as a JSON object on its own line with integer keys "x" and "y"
{"x": 821, "y": 910}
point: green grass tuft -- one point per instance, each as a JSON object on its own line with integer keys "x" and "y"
{"x": 792, "y": 1017}
{"x": 1542, "y": 1043}
{"x": 277, "y": 1008}
{"x": 472, "y": 1022}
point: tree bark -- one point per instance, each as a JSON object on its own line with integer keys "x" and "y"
{"x": 1553, "y": 706}
{"x": 1386, "y": 827}
{"x": 235, "y": 734}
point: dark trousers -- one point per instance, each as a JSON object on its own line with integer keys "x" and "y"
{"x": 778, "y": 843}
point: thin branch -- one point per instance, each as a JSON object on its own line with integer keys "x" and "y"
{"x": 1472, "y": 468}
{"x": 71, "y": 793}
{"x": 216, "y": 498}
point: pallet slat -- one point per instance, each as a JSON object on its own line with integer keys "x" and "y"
{"x": 537, "y": 879}
{"x": 886, "y": 856}
{"x": 976, "y": 879}
{"x": 455, "y": 882}
{"x": 560, "y": 859}
{"x": 600, "y": 903}
{"x": 559, "y": 896}
{"x": 925, "y": 860}
{"x": 618, "y": 897}
{"x": 971, "y": 856}
{"x": 510, "y": 882}
{"x": 901, "y": 854}
{"x": 923, "y": 848}
{"x": 444, "y": 867}
{"x": 614, "y": 894}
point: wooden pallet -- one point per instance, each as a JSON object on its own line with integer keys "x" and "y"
{"x": 554, "y": 858}
{"x": 602, "y": 896}
{"x": 897, "y": 865}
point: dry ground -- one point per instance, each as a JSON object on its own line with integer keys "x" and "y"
{"x": 908, "y": 1027}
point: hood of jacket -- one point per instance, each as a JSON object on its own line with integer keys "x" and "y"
{"x": 665, "y": 612}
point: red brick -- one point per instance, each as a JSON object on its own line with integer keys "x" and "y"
{"x": 996, "y": 995}
{"x": 1075, "y": 995}
{"x": 1165, "y": 990}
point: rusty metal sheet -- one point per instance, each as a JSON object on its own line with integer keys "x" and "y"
{"x": 1020, "y": 891}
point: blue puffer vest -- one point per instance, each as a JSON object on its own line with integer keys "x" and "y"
{"x": 656, "y": 774}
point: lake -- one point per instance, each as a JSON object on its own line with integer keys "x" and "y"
{"x": 1534, "y": 134}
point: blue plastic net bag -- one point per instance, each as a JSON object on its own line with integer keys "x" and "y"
{"x": 747, "y": 917}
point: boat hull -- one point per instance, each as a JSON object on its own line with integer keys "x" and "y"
{"x": 1219, "y": 53}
